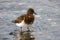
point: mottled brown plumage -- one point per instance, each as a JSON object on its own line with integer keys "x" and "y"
{"x": 19, "y": 19}
{"x": 25, "y": 19}
{"x": 28, "y": 17}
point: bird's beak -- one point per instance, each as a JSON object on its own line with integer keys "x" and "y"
{"x": 35, "y": 13}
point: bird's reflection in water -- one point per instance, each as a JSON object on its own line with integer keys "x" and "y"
{"x": 26, "y": 35}
{"x": 23, "y": 35}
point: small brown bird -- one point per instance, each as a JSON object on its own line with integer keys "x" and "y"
{"x": 25, "y": 19}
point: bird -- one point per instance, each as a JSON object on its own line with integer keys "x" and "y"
{"x": 25, "y": 19}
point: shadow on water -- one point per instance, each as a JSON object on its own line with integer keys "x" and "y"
{"x": 26, "y": 35}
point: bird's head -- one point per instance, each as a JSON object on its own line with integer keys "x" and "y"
{"x": 31, "y": 11}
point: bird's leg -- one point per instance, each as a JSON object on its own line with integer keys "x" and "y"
{"x": 28, "y": 28}
{"x": 21, "y": 29}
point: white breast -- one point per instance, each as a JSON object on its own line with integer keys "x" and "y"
{"x": 22, "y": 24}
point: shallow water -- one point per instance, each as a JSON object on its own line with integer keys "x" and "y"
{"x": 47, "y": 22}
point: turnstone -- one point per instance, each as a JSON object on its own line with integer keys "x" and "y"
{"x": 25, "y": 20}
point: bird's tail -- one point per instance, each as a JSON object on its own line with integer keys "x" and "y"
{"x": 14, "y": 21}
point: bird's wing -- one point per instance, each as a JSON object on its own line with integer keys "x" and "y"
{"x": 19, "y": 19}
